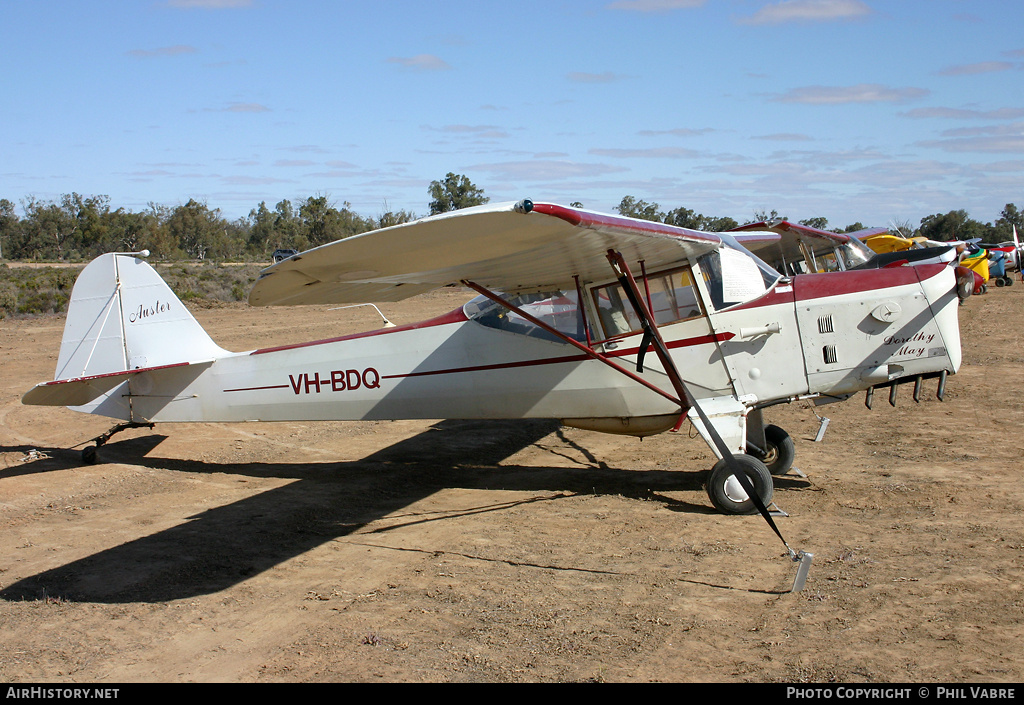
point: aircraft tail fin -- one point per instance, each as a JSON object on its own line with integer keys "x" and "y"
{"x": 122, "y": 316}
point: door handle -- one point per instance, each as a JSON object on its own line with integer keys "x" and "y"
{"x": 754, "y": 332}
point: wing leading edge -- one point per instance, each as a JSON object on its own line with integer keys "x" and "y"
{"x": 512, "y": 247}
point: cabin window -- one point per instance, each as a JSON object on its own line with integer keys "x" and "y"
{"x": 672, "y": 298}
{"x": 558, "y": 309}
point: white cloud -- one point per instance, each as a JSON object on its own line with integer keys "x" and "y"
{"x": 997, "y": 139}
{"x": 583, "y": 77}
{"x": 176, "y": 50}
{"x": 486, "y": 131}
{"x": 421, "y": 62}
{"x": 545, "y": 169}
{"x": 860, "y": 93}
{"x": 678, "y": 132}
{"x": 809, "y": 11}
{"x": 209, "y": 4}
{"x": 966, "y": 114}
{"x": 654, "y": 153}
{"x": 246, "y": 108}
{"x": 654, "y": 5}
{"x": 974, "y": 69}
{"x": 784, "y": 137}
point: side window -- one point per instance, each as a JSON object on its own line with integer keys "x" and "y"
{"x": 557, "y": 309}
{"x": 672, "y": 298}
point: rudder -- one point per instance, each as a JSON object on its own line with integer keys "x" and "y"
{"x": 123, "y": 316}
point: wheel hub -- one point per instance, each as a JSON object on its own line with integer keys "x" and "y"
{"x": 734, "y": 490}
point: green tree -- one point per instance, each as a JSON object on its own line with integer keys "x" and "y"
{"x": 454, "y": 192}
{"x": 288, "y": 228}
{"x": 632, "y": 208}
{"x": 684, "y": 218}
{"x": 680, "y": 217}
{"x": 323, "y": 223}
{"x": 130, "y": 232}
{"x": 719, "y": 225}
{"x": 196, "y": 229}
{"x": 261, "y": 228}
{"x": 819, "y": 223}
{"x": 1009, "y": 219}
{"x": 762, "y": 216}
{"x": 48, "y": 230}
{"x": 389, "y": 218}
{"x": 955, "y": 225}
{"x": 10, "y": 228}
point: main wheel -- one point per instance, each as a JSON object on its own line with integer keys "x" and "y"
{"x": 725, "y": 490}
{"x": 964, "y": 288}
{"x": 780, "y": 451}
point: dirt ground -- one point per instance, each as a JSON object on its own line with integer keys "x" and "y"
{"x": 509, "y": 551}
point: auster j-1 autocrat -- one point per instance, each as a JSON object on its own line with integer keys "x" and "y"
{"x": 603, "y": 322}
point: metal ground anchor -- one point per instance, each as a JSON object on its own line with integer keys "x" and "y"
{"x": 804, "y": 559}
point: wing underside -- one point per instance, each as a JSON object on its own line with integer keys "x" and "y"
{"x": 515, "y": 248}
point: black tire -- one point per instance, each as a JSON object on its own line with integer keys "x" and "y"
{"x": 1008, "y": 280}
{"x": 780, "y": 451}
{"x": 727, "y": 494}
{"x": 964, "y": 288}
{"x": 999, "y": 282}
{"x": 89, "y": 455}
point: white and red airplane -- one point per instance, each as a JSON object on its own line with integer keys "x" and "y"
{"x": 800, "y": 249}
{"x": 602, "y": 322}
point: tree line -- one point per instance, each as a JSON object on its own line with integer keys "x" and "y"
{"x": 79, "y": 228}
{"x": 941, "y": 227}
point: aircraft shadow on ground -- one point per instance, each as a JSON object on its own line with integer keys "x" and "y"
{"x": 228, "y": 544}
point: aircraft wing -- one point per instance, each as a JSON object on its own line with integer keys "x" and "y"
{"x": 783, "y": 226}
{"x": 515, "y": 248}
{"x": 767, "y": 240}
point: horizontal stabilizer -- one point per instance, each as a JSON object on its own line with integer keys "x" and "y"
{"x": 79, "y": 391}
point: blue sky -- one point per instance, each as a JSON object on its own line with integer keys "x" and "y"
{"x": 855, "y": 110}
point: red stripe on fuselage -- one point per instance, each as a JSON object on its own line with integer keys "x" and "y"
{"x": 807, "y": 287}
{"x": 685, "y": 343}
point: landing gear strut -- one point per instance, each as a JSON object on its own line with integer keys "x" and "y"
{"x": 89, "y": 453}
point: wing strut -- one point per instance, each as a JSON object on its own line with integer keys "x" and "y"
{"x": 651, "y": 335}
{"x": 588, "y": 351}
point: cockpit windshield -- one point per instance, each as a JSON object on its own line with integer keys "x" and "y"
{"x": 855, "y": 253}
{"x": 733, "y": 275}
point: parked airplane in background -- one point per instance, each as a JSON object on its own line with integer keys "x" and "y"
{"x": 800, "y": 249}
{"x": 796, "y": 249}
{"x": 603, "y": 322}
